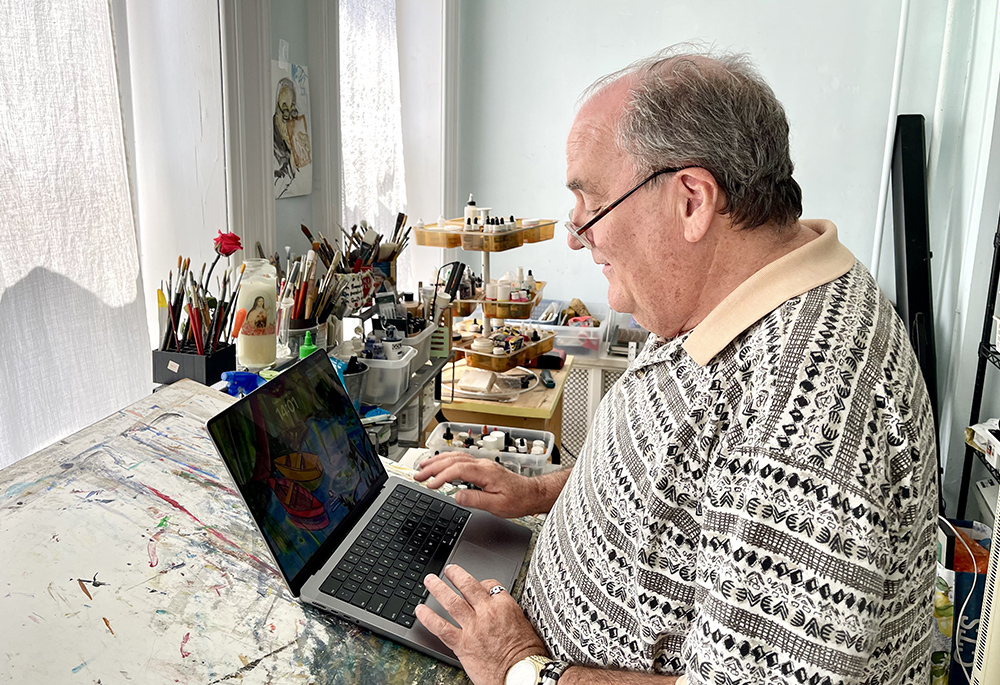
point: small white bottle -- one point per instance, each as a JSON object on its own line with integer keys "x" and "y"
{"x": 529, "y": 283}
{"x": 471, "y": 211}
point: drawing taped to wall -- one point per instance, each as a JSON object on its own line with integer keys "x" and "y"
{"x": 291, "y": 123}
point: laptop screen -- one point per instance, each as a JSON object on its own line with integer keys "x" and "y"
{"x": 300, "y": 457}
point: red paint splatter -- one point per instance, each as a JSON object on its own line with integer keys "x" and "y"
{"x": 85, "y": 590}
{"x": 272, "y": 627}
{"x": 184, "y": 653}
{"x": 151, "y": 549}
{"x": 177, "y": 505}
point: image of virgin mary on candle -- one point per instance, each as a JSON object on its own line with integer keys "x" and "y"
{"x": 258, "y": 319}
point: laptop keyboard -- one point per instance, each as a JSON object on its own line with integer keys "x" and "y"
{"x": 411, "y": 535}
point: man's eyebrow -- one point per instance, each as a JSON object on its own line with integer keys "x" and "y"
{"x": 577, "y": 184}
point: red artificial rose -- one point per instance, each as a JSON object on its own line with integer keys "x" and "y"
{"x": 227, "y": 243}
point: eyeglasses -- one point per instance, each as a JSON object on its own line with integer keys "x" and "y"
{"x": 580, "y": 232}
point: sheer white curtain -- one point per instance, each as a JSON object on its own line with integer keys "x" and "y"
{"x": 371, "y": 128}
{"x": 73, "y": 340}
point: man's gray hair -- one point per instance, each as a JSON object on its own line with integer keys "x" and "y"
{"x": 712, "y": 110}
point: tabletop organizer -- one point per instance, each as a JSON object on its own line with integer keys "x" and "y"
{"x": 519, "y": 462}
{"x": 453, "y": 235}
{"x": 506, "y": 362}
{"x": 496, "y": 309}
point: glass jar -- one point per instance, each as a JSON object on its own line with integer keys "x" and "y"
{"x": 256, "y": 345}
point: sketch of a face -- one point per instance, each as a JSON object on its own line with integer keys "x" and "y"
{"x": 285, "y": 108}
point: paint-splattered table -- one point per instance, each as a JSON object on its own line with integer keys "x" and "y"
{"x": 129, "y": 558}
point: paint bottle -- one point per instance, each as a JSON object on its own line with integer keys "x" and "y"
{"x": 529, "y": 283}
{"x": 470, "y": 208}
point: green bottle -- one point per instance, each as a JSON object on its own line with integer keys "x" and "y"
{"x": 307, "y": 348}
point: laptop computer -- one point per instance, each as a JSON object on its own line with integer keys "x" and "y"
{"x": 345, "y": 536}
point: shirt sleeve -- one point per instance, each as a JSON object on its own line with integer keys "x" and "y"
{"x": 798, "y": 579}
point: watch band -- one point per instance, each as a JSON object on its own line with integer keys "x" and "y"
{"x": 551, "y": 673}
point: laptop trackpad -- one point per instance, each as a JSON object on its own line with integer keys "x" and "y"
{"x": 482, "y": 564}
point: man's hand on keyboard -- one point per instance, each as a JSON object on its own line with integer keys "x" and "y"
{"x": 501, "y": 492}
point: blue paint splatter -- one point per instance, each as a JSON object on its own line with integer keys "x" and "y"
{"x": 77, "y": 668}
{"x": 15, "y": 490}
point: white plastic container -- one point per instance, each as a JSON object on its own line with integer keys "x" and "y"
{"x": 421, "y": 342}
{"x": 531, "y": 464}
{"x": 387, "y": 380}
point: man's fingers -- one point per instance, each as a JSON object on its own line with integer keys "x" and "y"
{"x": 478, "y": 499}
{"x": 448, "y": 633}
{"x": 454, "y": 604}
{"x": 478, "y": 472}
{"x": 466, "y": 584}
{"x": 434, "y": 465}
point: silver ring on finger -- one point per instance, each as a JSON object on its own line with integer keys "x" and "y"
{"x": 497, "y": 589}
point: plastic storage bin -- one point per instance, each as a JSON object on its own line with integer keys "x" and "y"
{"x": 437, "y": 237}
{"x": 387, "y": 380}
{"x": 506, "y": 362}
{"x": 421, "y": 342}
{"x": 492, "y": 242}
{"x": 578, "y": 340}
{"x": 529, "y": 464}
{"x": 544, "y": 230}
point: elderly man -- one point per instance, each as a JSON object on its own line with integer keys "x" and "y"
{"x": 756, "y": 500}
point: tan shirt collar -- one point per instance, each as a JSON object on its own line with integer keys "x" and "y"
{"x": 819, "y": 261}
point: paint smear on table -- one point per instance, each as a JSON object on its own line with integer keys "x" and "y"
{"x": 108, "y": 624}
{"x": 184, "y": 653}
{"x": 77, "y": 669}
{"x": 151, "y": 549}
{"x": 85, "y": 590}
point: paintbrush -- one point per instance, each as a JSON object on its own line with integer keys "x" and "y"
{"x": 220, "y": 307}
{"x": 231, "y": 309}
{"x": 400, "y": 221}
{"x": 260, "y": 251}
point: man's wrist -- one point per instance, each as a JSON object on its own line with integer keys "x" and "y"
{"x": 547, "y": 489}
{"x": 533, "y": 667}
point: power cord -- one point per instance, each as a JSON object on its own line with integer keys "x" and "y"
{"x": 958, "y": 620}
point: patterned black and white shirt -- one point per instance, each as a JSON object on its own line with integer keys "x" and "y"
{"x": 756, "y": 500}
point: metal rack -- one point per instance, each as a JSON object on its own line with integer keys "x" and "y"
{"x": 987, "y": 354}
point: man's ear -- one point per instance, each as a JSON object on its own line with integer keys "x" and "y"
{"x": 700, "y": 198}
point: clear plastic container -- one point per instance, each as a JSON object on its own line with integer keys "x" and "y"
{"x": 435, "y": 237}
{"x": 421, "y": 342}
{"x": 582, "y": 341}
{"x": 530, "y": 464}
{"x": 387, "y": 380}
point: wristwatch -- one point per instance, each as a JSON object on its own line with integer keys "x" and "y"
{"x": 535, "y": 670}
